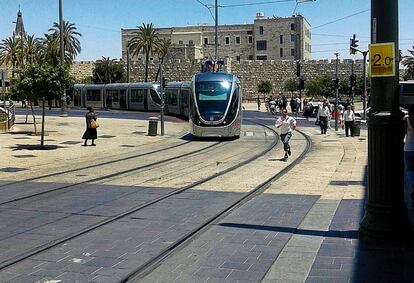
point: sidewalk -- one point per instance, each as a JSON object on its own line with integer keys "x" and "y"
{"x": 303, "y": 229}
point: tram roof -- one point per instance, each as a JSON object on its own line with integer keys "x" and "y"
{"x": 178, "y": 84}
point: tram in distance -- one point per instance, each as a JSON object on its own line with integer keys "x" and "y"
{"x": 128, "y": 96}
{"x": 215, "y": 105}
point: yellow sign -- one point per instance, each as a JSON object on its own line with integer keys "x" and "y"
{"x": 382, "y": 59}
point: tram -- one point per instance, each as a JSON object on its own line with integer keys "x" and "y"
{"x": 177, "y": 98}
{"x": 406, "y": 93}
{"x": 215, "y": 105}
{"x": 128, "y": 96}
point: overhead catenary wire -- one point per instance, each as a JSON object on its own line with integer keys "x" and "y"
{"x": 340, "y": 19}
{"x": 208, "y": 8}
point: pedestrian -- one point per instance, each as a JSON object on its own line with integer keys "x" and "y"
{"x": 266, "y": 100}
{"x": 298, "y": 104}
{"x": 323, "y": 115}
{"x": 286, "y": 125}
{"x": 91, "y": 126}
{"x": 349, "y": 118}
{"x": 409, "y": 149}
{"x": 272, "y": 104}
{"x": 258, "y": 103}
{"x": 292, "y": 105}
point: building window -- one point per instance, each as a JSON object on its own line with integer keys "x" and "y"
{"x": 180, "y": 42}
{"x": 262, "y": 57}
{"x": 281, "y": 52}
{"x": 281, "y": 39}
{"x": 250, "y": 39}
{"x": 249, "y": 32}
{"x": 292, "y": 38}
{"x": 292, "y": 26}
{"x": 205, "y": 40}
{"x": 237, "y": 39}
{"x": 261, "y": 45}
{"x": 250, "y": 57}
{"x": 227, "y": 39}
{"x": 292, "y": 52}
{"x": 261, "y": 30}
{"x": 190, "y": 42}
{"x": 238, "y": 58}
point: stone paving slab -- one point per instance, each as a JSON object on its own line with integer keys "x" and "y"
{"x": 242, "y": 246}
{"x": 116, "y": 249}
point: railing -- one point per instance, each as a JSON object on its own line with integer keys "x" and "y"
{"x": 9, "y": 111}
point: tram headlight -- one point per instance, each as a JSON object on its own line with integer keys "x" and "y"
{"x": 225, "y": 84}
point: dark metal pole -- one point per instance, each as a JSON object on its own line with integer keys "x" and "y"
{"x": 364, "y": 95}
{"x": 128, "y": 66}
{"x": 63, "y": 112}
{"x": 352, "y": 87}
{"x": 216, "y": 31}
{"x": 386, "y": 213}
{"x": 162, "y": 100}
{"x": 336, "y": 92}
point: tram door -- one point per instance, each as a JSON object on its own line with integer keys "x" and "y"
{"x": 108, "y": 99}
{"x": 146, "y": 100}
{"x": 77, "y": 97}
{"x": 122, "y": 99}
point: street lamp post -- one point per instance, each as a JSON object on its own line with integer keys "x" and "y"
{"x": 63, "y": 111}
{"x": 162, "y": 100}
{"x": 336, "y": 92}
{"x": 216, "y": 32}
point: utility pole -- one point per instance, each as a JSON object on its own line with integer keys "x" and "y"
{"x": 364, "y": 95}
{"x": 3, "y": 87}
{"x": 63, "y": 111}
{"x": 162, "y": 100}
{"x": 216, "y": 56}
{"x": 336, "y": 92}
{"x": 385, "y": 212}
{"x": 352, "y": 86}
{"x": 128, "y": 66}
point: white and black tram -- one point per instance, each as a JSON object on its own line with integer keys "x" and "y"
{"x": 215, "y": 105}
{"x": 128, "y": 96}
{"x": 177, "y": 98}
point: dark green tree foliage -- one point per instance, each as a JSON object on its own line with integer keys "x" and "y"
{"x": 41, "y": 82}
{"x": 320, "y": 86}
{"x": 344, "y": 86}
{"x": 291, "y": 85}
{"x": 264, "y": 87}
{"x": 108, "y": 71}
{"x": 408, "y": 63}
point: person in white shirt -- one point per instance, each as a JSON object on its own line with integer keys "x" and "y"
{"x": 323, "y": 115}
{"x": 409, "y": 149}
{"x": 286, "y": 124}
{"x": 349, "y": 118}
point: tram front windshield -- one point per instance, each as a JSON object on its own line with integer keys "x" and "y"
{"x": 212, "y": 98}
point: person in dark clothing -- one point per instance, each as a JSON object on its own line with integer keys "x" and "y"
{"x": 90, "y": 132}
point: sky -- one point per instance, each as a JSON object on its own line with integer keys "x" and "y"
{"x": 100, "y": 21}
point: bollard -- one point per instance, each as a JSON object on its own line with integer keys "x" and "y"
{"x": 152, "y": 126}
{"x": 357, "y": 128}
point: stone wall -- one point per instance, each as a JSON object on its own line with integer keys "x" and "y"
{"x": 82, "y": 69}
{"x": 250, "y": 72}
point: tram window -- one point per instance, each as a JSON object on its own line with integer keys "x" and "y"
{"x": 93, "y": 94}
{"x": 137, "y": 95}
{"x": 115, "y": 96}
{"x": 213, "y": 90}
{"x": 172, "y": 96}
{"x": 184, "y": 96}
{"x": 155, "y": 97}
{"x": 408, "y": 89}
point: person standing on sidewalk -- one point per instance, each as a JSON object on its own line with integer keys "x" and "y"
{"x": 286, "y": 124}
{"x": 409, "y": 149}
{"x": 323, "y": 116}
{"x": 349, "y": 118}
{"x": 91, "y": 125}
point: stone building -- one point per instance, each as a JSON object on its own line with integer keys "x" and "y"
{"x": 273, "y": 38}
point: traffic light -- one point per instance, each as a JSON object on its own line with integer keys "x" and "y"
{"x": 353, "y": 45}
{"x": 353, "y": 80}
{"x": 301, "y": 83}
{"x": 298, "y": 69}
{"x": 336, "y": 82}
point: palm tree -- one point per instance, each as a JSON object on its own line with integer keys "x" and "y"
{"x": 106, "y": 65}
{"x": 31, "y": 49}
{"x": 70, "y": 40}
{"x": 9, "y": 52}
{"x": 163, "y": 49}
{"x": 145, "y": 40}
{"x": 408, "y": 62}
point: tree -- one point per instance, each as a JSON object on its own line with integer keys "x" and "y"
{"x": 9, "y": 52}
{"x": 163, "y": 48}
{"x": 264, "y": 87}
{"x": 108, "y": 71}
{"x": 291, "y": 85}
{"x": 41, "y": 82}
{"x": 320, "y": 86}
{"x": 408, "y": 63}
{"x": 146, "y": 41}
{"x": 31, "y": 49}
{"x": 344, "y": 86}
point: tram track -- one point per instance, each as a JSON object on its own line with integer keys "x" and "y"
{"x": 93, "y": 165}
{"x": 146, "y": 268}
{"x": 55, "y": 242}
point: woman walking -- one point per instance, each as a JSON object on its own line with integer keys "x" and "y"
{"x": 409, "y": 149}
{"x": 91, "y": 125}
